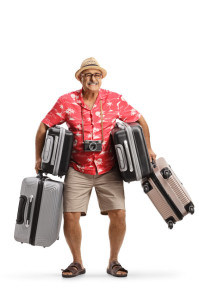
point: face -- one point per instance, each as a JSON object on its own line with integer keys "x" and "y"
{"x": 91, "y": 83}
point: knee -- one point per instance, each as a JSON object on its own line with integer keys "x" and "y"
{"x": 117, "y": 216}
{"x": 71, "y": 217}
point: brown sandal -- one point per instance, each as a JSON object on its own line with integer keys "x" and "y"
{"x": 75, "y": 268}
{"x": 114, "y": 268}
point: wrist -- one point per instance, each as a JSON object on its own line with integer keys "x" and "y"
{"x": 38, "y": 158}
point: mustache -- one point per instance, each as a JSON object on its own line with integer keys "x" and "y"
{"x": 92, "y": 82}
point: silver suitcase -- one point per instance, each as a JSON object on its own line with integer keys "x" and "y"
{"x": 39, "y": 211}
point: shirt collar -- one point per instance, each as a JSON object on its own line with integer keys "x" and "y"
{"x": 81, "y": 101}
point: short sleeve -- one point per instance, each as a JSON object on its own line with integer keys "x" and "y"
{"x": 127, "y": 113}
{"x": 57, "y": 115}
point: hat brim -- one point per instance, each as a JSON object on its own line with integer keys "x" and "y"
{"x": 77, "y": 74}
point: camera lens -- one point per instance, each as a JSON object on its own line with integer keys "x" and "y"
{"x": 93, "y": 146}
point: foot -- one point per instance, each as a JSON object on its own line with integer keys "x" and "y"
{"x": 74, "y": 269}
{"x": 116, "y": 269}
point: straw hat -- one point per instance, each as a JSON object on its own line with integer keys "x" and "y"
{"x": 90, "y": 63}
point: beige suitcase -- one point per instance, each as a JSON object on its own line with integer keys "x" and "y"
{"x": 167, "y": 193}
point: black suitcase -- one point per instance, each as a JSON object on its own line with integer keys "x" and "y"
{"x": 131, "y": 151}
{"x": 57, "y": 151}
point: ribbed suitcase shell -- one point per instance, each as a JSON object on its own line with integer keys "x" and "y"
{"x": 45, "y": 212}
{"x": 57, "y": 151}
{"x": 131, "y": 151}
{"x": 167, "y": 193}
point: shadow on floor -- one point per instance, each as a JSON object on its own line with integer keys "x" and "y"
{"x": 145, "y": 274}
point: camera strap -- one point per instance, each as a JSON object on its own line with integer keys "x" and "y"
{"x": 101, "y": 120}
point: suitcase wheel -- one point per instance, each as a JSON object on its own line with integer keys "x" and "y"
{"x": 170, "y": 224}
{"x": 191, "y": 209}
{"x": 166, "y": 173}
{"x": 147, "y": 187}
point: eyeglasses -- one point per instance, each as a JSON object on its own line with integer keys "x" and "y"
{"x": 90, "y": 75}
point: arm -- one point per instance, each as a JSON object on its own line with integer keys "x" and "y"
{"x": 127, "y": 113}
{"x": 39, "y": 143}
{"x": 145, "y": 129}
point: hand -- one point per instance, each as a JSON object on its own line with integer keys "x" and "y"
{"x": 152, "y": 155}
{"x": 38, "y": 165}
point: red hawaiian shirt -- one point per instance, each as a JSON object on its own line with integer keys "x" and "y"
{"x": 68, "y": 109}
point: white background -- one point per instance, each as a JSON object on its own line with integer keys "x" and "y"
{"x": 150, "y": 50}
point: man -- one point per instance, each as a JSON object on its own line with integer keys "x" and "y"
{"x": 90, "y": 114}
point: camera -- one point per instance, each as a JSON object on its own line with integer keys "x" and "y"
{"x": 90, "y": 145}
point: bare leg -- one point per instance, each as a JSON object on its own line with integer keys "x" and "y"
{"x": 73, "y": 235}
{"x": 117, "y": 231}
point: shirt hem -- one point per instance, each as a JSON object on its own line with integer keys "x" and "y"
{"x": 91, "y": 172}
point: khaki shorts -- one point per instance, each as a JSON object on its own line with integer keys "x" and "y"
{"x": 78, "y": 186}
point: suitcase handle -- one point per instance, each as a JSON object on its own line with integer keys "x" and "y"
{"x": 128, "y": 156}
{"x": 52, "y": 162}
{"x": 153, "y": 163}
{"x": 27, "y": 222}
{"x": 47, "y": 149}
{"x": 40, "y": 174}
{"x": 121, "y": 157}
{"x": 21, "y": 209}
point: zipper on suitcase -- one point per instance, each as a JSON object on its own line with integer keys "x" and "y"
{"x": 166, "y": 196}
{"x": 36, "y": 211}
